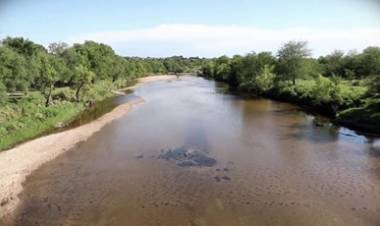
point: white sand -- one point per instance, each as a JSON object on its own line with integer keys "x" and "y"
{"x": 148, "y": 79}
{"x": 17, "y": 163}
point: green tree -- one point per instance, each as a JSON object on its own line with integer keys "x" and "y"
{"x": 23, "y": 46}
{"x": 3, "y": 93}
{"x": 333, "y": 64}
{"x": 13, "y": 70}
{"x": 265, "y": 80}
{"x": 375, "y": 86}
{"x": 291, "y": 57}
{"x": 98, "y": 58}
{"x": 207, "y": 70}
{"x": 82, "y": 77}
{"x": 370, "y": 61}
{"x": 50, "y": 70}
{"x": 222, "y": 68}
{"x": 57, "y": 48}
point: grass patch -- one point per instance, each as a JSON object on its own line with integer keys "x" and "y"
{"x": 367, "y": 117}
{"x": 27, "y": 118}
{"x": 32, "y": 125}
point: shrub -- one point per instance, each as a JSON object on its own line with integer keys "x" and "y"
{"x": 98, "y": 91}
{"x": 326, "y": 91}
{"x": 3, "y": 93}
{"x": 265, "y": 80}
{"x": 64, "y": 94}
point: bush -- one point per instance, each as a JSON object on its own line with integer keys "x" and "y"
{"x": 366, "y": 117}
{"x": 326, "y": 91}
{"x": 375, "y": 86}
{"x": 283, "y": 88}
{"x": 98, "y": 91}
{"x": 64, "y": 94}
{"x": 3, "y": 93}
{"x": 265, "y": 80}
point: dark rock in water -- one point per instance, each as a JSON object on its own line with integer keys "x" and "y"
{"x": 226, "y": 178}
{"x": 201, "y": 159}
{"x": 187, "y": 157}
{"x": 139, "y": 156}
{"x": 174, "y": 154}
{"x": 4, "y": 202}
{"x": 319, "y": 122}
{"x": 186, "y": 163}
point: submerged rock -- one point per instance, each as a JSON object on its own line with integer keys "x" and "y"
{"x": 188, "y": 157}
{"x": 217, "y": 179}
{"x": 4, "y": 202}
{"x": 318, "y": 123}
{"x": 139, "y": 156}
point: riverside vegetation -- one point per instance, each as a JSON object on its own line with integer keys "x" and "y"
{"x": 343, "y": 86}
{"x": 40, "y": 87}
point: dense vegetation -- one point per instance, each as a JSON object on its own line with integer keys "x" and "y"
{"x": 41, "y": 87}
{"x": 345, "y": 86}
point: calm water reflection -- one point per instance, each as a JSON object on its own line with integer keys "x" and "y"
{"x": 274, "y": 167}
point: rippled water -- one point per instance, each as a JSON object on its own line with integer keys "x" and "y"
{"x": 273, "y": 167}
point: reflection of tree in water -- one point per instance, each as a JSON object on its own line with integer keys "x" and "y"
{"x": 309, "y": 131}
{"x": 195, "y": 137}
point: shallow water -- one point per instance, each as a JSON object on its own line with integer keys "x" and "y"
{"x": 273, "y": 167}
{"x": 96, "y": 111}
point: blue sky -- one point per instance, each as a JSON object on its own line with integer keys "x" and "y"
{"x": 195, "y": 27}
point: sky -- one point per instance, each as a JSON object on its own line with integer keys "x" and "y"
{"x": 205, "y": 28}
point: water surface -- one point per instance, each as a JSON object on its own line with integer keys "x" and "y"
{"x": 272, "y": 166}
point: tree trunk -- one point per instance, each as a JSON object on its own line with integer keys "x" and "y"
{"x": 48, "y": 96}
{"x": 78, "y": 91}
{"x": 295, "y": 70}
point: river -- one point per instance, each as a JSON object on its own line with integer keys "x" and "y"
{"x": 193, "y": 154}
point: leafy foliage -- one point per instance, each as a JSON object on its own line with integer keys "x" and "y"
{"x": 291, "y": 60}
{"x": 332, "y": 83}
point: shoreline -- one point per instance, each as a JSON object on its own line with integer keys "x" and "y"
{"x": 148, "y": 79}
{"x": 19, "y": 162}
{"x": 368, "y": 128}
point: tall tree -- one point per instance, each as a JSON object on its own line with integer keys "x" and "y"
{"x": 23, "y": 46}
{"x": 13, "y": 70}
{"x": 3, "y": 93}
{"x": 57, "y": 48}
{"x": 370, "y": 61}
{"x": 82, "y": 76}
{"x": 50, "y": 70}
{"x": 333, "y": 64}
{"x": 291, "y": 57}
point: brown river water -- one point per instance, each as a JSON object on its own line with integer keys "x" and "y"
{"x": 195, "y": 155}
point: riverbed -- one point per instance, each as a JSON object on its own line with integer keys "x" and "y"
{"x": 194, "y": 154}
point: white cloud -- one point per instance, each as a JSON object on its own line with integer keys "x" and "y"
{"x": 204, "y": 40}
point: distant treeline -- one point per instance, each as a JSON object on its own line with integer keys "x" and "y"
{"x": 333, "y": 83}
{"x": 27, "y": 66}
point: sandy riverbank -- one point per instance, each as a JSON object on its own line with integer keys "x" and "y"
{"x": 148, "y": 79}
{"x": 17, "y": 163}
